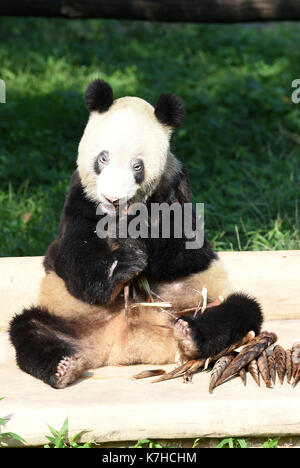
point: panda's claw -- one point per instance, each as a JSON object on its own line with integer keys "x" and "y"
{"x": 182, "y": 327}
{"x": 183, "y": 334}
{"x": 62, "y": 366}
{"x": 68, "y": 369}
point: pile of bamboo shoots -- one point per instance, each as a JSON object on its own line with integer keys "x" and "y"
{"x": 259, "y": 359}
{"x": 258, "y": 356}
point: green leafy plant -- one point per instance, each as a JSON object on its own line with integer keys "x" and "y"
{"x": 232, "y": 443}
{"x": 5, "y": 436}
{"x": 146, "y": 443}
{"x": 241, "y": 443}
{"x": 195, "y": 443}
{"x": 271, "y": 443}
{"x": 59, "y": 439}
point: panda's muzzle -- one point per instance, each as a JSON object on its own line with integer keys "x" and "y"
{"x": 115, "y": 204}
{"x": 114, "y": 201}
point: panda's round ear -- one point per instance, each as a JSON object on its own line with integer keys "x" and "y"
{"x": 169, "y": 110}
{"x": 98, "y": 96}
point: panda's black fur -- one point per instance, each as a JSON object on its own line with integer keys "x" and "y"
{"x": 218, "y": 327}
{"x": 169, "y": 110}
{"x": 98, "y": 96}
{"x": 41, "y": 340}
{"x": 55, "y": 347}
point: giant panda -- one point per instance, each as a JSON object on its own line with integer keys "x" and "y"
{"x": 78, "y": 322}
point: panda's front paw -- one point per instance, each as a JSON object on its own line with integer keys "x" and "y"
{"x": 132, "y": 262}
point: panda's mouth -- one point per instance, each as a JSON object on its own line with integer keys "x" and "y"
{"x": 120, "y": 206}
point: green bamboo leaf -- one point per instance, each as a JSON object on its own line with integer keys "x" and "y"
{"x": 242, "y": 443}
{"x": 64, "y": 429}
{"x": 195, "y": 444}
{"x": 53, "y": 431}
{"x": 13, "y": 436}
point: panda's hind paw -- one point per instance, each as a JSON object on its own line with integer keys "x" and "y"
{"x": 62, "y": 366}
{"x": 68, "y": 369}
{"x": 182, "y": 328}
{"x": 183, "y": 333}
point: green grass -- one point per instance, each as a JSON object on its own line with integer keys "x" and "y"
{"x": 8, "y": 436}
{"x": 59, "y": 438}
{"x": 239, "y": 142}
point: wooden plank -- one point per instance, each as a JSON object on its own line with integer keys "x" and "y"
{"x": 19, "y": 285}
{"x": 272, "y": 277}
{"x": 201, "y": 11}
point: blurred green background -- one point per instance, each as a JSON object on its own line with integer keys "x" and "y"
{"x": 240, "y": 141}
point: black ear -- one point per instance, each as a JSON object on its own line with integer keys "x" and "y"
{"x": 98, "y": 96}
{"x": 170, "y": 110}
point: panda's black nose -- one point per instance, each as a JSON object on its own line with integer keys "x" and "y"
{"x": 113, "y": 200}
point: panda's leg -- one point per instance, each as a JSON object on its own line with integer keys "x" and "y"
{"x": 46, "y": 347}
{"x": 185, "y": 293}
{"x": 211, "y": 332}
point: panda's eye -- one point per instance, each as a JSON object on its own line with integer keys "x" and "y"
{"x": 138, "y": 170}
{"x": 103, "y": 157}
{"x": 137, "y": 166}
{"x": 100, "y": 161}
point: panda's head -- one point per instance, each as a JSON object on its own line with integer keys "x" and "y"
{"x": 124, "y": 150}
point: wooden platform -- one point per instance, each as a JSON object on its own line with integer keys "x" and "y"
{"x": 111, "y": 406}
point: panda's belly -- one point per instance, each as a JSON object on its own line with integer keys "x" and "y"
{"x": 147, "y": 338}
{"x": 103, "y": 335}
{"x": 56, "y": 298}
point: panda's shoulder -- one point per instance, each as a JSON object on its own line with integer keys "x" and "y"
{"x": 174, "y": 184}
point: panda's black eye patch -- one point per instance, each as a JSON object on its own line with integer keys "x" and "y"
{"x": 101, "y": 160}
{"x": 138, "y": 170}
